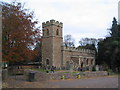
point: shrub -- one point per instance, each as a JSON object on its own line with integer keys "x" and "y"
{"x": 93, "y": 68}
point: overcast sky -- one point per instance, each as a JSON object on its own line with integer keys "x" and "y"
{"x": 81, "y": 18}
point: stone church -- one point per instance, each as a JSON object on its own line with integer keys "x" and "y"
{"x": 55, "y": 54}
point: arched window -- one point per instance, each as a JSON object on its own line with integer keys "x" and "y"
{"x": 81, "y": 64}
{"x": 47, "y": 31}
{"x": 47, "y": 62}
{"x": 57, "y": 32}
{"x": 92, "y": 62}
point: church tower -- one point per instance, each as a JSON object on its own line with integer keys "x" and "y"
{"x": 51, "y": 43}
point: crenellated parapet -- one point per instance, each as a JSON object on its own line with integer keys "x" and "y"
{"x": 78, "y": 50}
{"x": 52, "y": 22}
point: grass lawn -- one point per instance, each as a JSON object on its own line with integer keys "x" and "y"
{"x": 43, "y": 70}
{"x": 112, "y": 73}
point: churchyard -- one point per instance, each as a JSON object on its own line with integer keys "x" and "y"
{"x": 36, "y": 56}
{"x": 39, "y": 76}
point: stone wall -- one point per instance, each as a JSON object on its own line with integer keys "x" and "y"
{"x": 43, "y": 76}
{"x": 66, "y": 57}
{"x": 55, "y": 53}
{"x": 47, "y": 50}
{"x": 95, "y": 74}
{"x": 51, "y": 43}
{"x": 77, "y": 56}
{"x": 78, "y": 50}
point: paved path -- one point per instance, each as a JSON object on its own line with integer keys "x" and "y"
{"x": 98, "y": 82}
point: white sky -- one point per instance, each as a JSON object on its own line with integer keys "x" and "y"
{"x": 81, "y": 18}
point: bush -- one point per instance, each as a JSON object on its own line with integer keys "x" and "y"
{"x": 93, "y": 68}
{"x": 109, "y": 70}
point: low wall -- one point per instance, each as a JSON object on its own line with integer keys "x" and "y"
{"x": 43, "y": 76}
{"x": 95, "y": 74}
{"x": 4, "y": 74}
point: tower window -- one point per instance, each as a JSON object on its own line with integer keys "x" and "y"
{"x": 57, "y": 32}
{"x": 47, "y": 32}
{"x": 47, "y": 61}
{"x": 87, "y": 61}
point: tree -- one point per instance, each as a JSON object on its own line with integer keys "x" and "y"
{"x": 38, "y": 48}
{"x": 69, "y": 41}
{"x": 19, "y": 33}
{"x": 103, "y": 53}
{"x": 85, "y": 41}
{"x": 88, "y": 43}
{"x": 108, "y": 49}
{"x": 114, "y": 28}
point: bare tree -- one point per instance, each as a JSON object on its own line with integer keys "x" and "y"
{"x": 69, "y": 41}
{"x": 85, "y": 41}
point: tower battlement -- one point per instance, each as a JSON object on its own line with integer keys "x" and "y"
{"x": 52, "y": 22}
{"x": 78, "y": 50}
{"x": 55, "y": 54}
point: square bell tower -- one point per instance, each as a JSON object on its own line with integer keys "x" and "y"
{"x": 52, "y": 40}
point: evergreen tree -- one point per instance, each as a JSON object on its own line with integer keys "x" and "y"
{"x": 114, "y": 29}
{"x": 109, "y": 48}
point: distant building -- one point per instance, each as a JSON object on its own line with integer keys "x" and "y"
{"x": 55, "y": 54}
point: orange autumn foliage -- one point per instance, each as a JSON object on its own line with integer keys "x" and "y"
{"x": 19, "y": 33}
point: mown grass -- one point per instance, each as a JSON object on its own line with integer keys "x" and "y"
{"x": 112, "y": 73}
{"x": 41, "y": 70}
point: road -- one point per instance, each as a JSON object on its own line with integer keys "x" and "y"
{"x": 96, "y": 82}
{"x": 99, "y": 82}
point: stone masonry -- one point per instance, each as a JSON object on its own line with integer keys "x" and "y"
{"x": 55, "y": 54}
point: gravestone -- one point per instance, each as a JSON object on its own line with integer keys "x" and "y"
{"x": 97, "y": 68}
{"x": 71, "y": 67}
{"x": 90, "y": 68}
